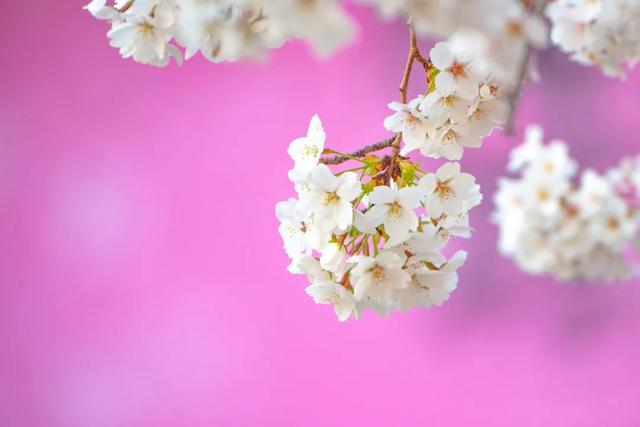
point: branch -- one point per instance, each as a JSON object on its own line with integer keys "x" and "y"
{"x": 414, "y": 53}
{"x": 394, "y": 142}
{"x": 336, "y": 160}
{"x": 533, "y": 8}
{"x": 517, "y": 91}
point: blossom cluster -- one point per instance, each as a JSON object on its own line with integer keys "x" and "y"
{"x": 150, "y": 31}
{"x": 463, "y": 105}
{"x": 499, "y": 31}
{"x": 549, "y": 224}
{"x": 366, "y": 240}
{"x": 372, "y": 236}
{"x": 605, "y": 33}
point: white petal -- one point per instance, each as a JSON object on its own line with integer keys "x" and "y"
{"x": 382, "y": 194}
{"x": 441, "y": 55}
{"x": 448, "y": 171}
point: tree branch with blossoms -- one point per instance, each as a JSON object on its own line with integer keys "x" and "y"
{"x": 371, "y": 236}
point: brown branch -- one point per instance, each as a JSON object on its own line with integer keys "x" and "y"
{"x": 336, "y": 160}
{"x": 414, "y": 53}
{"x": 394, "y": 142}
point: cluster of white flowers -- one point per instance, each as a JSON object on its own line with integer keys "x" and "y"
{"x": 501, "y": 32}
{"x": 372, "y": 236}
{"x": 550, "y": 225}
{"x": 369, "y": 238}
{"x": 150, "y": 31}
{"x": 605, "y": 33}
{"x": 463, "y": 106}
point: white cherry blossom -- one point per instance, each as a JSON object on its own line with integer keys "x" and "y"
{"x": 411, "y": 122}
{"x": 377, "y": 277}
{"x": 459, "y": 73}
{"x": 447, "y": 190}
{"x": 332, "y": 293}
{"x": 395, "y": 209}
{"x": 305, "y": 151}
{"x": 330, "y": 198}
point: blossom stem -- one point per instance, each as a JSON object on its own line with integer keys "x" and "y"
{"x": 351, "y": 170}
{"x": 393, "y": 168}
{"x": 413, "y": 55}
{"x": 344, "y": 157}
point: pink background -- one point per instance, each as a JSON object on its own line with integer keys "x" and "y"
{"x": 143, "y": 281}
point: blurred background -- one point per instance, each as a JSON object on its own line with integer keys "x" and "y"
{"x": 143, "y": 281}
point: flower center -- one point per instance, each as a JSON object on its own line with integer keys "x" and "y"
{"x": 448, "y": 101}
{"x": 310, "y": 151}
{"x": 514, "y": 29}
{"x": 377, "y": 273}
{"x": 330, "y": 198}
{"x": 444, "y": 190}
{"x": 571, "y": 211}
{"x": 543, "y": 194}
{"x": 613, "y": 224}
{"x": 333, "y": 298}
{"x": 450, "y": 136}
{"x": 145, "y": 28}
{"x": 457, "y": 69}
{"x": 394, "y": 211}
{"x": 478, "y": 114}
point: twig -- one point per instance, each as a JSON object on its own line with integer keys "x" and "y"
{"x": 533, "y": 8}
{"x": 336, "y": 160}
{"x": 414, "y": 53}
{"x": 517, "y": 91}
{"x": 393, "y": 142}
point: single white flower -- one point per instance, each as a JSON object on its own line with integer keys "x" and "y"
{"x": 395, "y": 209}
{"x": 306, "y": 151}
{"x": 332, "y": 293}
{"x": 292, "y": 227}
{"x": 441, "y": 108}
{"x": 431, "y": 286}
{"x": 486, "y": 115}
{"x": 330, "y": 198}
{"x": 378, "y": 277}
{"x": 614, "y": 226}
{"x": 447, "y": 190}
{"x": 552, "y": 162}
{"x": 459, "y": 74}
{"x": 146, "y": 38}
{"x": 449, "y": 142}
{"x": 411, "y": 122}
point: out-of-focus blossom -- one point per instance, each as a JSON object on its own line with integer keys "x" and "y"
{"x": 549, "y": 224}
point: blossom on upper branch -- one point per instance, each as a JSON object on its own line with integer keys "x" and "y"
{"x": 604, "y": 33}
{"x": 221, "y": 30}
{"x": 463, "y": 105}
